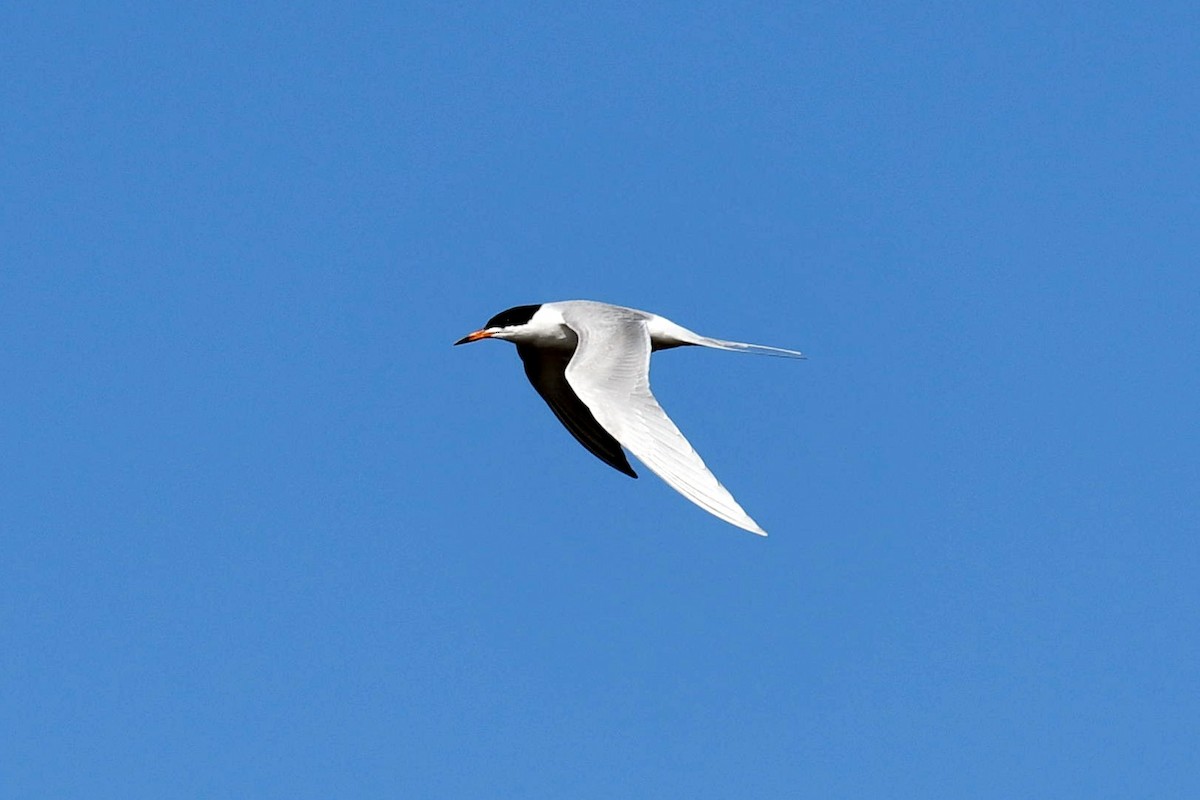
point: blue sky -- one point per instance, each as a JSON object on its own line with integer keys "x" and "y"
{"x": 267, "y": 534}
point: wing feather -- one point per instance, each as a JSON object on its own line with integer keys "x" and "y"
{"x": 610, "y": 374}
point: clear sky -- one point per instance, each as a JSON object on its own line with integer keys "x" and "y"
{"x": 265, "y": 534}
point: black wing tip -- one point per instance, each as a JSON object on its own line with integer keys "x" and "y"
{"x": 617, "y": 460}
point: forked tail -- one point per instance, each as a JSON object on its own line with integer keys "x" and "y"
{"x": 665, "y": 334}
{"x": 744, "y": 347}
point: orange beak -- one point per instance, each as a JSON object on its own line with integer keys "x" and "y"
{"x": 474, "y": 337}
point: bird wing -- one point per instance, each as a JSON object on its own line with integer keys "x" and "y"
{"x": 610, "y": 373}
{"x": 545, "y": 369}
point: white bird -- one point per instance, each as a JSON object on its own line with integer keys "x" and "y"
{"x": 590, "y": 362}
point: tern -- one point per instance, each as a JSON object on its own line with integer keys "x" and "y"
{"x": 590, "y": 362}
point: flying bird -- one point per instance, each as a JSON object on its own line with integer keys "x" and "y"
{"x": 590, "y": 362}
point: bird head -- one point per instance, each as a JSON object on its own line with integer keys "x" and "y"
{"x": 510, "y": 324}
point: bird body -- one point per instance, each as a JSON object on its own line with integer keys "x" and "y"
{"x": 590, "y": 362}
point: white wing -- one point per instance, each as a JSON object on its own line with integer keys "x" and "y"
{"x": 610, "y": 372}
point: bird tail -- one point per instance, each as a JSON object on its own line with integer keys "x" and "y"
{"x": 744, "y": 347}
{"x": 665, "y": 334}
